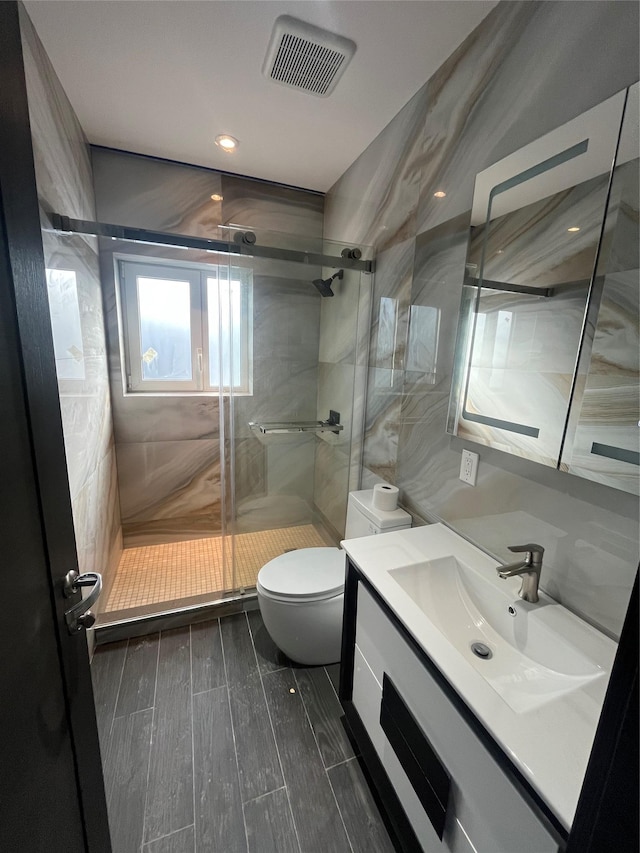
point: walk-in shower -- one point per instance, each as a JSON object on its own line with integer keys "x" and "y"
{"x": 207, "y": 338}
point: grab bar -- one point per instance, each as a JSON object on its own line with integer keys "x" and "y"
{"x": 280, "y": 427}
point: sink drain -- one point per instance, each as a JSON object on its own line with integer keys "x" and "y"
{"x": 481, "y": 651}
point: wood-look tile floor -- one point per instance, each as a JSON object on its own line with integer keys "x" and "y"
{"x": 172, "y": 571}
{"x": 213, "y": 742}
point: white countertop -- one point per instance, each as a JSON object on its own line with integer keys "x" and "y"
{"x": 549, "y": 743}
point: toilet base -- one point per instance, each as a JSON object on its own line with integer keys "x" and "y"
{"x": 308, "y": 632}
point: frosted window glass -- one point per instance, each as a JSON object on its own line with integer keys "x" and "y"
{"x": 165, "y": 329}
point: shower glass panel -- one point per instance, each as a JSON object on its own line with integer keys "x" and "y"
{"x": 174, "y": 317}
{"x": 290, "y": 467}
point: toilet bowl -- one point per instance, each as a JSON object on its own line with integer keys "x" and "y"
{"x": 301, "y": 593}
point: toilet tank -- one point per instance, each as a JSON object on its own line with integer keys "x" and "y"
{"x": 363, "y": 519}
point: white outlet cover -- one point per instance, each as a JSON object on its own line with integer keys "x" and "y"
{"x": 469, "y": 467}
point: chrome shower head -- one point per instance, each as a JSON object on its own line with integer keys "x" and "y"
{"x": 323, "y": 285}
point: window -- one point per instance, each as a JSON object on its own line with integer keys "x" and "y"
{"x": 186, "y": 328}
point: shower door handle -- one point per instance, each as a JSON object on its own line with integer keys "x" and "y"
{"x": 80, "y": 616}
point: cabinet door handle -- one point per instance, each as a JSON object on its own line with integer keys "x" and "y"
{"x": 428, "y": 776}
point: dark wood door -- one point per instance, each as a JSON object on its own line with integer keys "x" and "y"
{"x": 51, "y": 789}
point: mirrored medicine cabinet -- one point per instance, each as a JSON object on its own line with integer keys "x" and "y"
{"x": 547, "y": 351}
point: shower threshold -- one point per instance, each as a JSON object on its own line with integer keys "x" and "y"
{"x": 140, "y": 621}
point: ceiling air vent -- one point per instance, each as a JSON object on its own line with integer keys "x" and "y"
{"x": 306, "y": 57}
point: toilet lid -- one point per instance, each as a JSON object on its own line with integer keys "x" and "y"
{"x": 308, "y": 572}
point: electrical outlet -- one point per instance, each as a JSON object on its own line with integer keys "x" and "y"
{"x": 469, "y": 467}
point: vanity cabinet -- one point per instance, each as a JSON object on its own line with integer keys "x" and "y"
{"x": 451, "y": 788}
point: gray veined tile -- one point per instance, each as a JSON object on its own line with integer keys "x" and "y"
{"x": 331, "y": 478}
{"x": 182, "y": 841}
{"x": 239, "y": 655}
{"x": 335, "y": 391}
{"x": 258, "y": 764}
{"x": 269, "y": 656}
{"x": 338, "y": 320}
{"x": 313, "y": 805}
{"x": 275, "y": 208}
{"x": 148, "y": 419}
{"x": 170, "y": 793}
{"x": 138, "y": 685}
{"x": 269, "y": 824}
{"x": 161, "y": 196}
{"x": 325, "y": 713}
{"x": 365, "y": 828}
{"x": 375, "y": 201}
{"x": 61, "y": 153}
{"x": 390, "y": 305}
{"x": 106, "y": 674}
{"x": 126, "y": 779}
{"x": 219, "y": 819}
{"x": 380, "y": 452}
{"x": 333, "y": 671}
{"x": 95, "y": 512}
{"x": 168, "y": 479}
{"x": 207, "y": 661}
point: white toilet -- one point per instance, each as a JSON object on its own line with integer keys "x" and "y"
{"x": 301, "y": 593}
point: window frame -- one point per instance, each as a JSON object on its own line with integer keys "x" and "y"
{"x": 129, "y": 270}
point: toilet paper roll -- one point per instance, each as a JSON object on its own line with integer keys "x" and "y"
{"x": 385, "y": 497}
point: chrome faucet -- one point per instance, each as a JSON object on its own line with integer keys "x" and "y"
{"x": 529, "y": 569}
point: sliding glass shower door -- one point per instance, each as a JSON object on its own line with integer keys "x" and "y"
{"x": 237, "y": 371}
{"x": 289, "y": 428}
{"x": 170, "y": 314}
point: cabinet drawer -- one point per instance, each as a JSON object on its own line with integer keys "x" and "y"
{"x": 485, "y": 811}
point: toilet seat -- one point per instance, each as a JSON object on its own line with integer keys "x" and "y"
{"x": 307, "y": 574}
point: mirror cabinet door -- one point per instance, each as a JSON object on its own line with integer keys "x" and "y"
{"x": 603, "y": 438}
{"x": 536, "y": 225}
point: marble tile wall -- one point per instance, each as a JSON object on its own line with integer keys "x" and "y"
{"x": 63, "y": 174}
{"x": 528, "y": 68}
{"x": 165, "y": 196}
{"x": 168, "y": 448}
{"x": 342, "y": 377}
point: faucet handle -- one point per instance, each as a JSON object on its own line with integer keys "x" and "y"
{"x": 535, "y": 549}
{"x": 534, "y": 552}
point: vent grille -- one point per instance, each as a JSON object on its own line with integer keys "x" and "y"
{"x": 305, "y": 57}
{"x": 306, "y": 65}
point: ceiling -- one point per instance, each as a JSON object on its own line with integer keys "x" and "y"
{"x": 164, "y": 77}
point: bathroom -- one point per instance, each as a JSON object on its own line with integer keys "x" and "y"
{"x": 493, "y": 96}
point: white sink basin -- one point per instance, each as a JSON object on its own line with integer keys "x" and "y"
{"x": 538, "y": 652}
{"x": 540, "y": 693}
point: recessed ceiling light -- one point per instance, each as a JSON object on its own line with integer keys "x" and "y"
{"x": 573, "y": 228}
{"x": 439, "y": 194}
{"x": 227, "y": 143}
{"x": 216, "y": 197}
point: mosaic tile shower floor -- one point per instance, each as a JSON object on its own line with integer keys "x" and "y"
{"x": 172, "y": 571}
